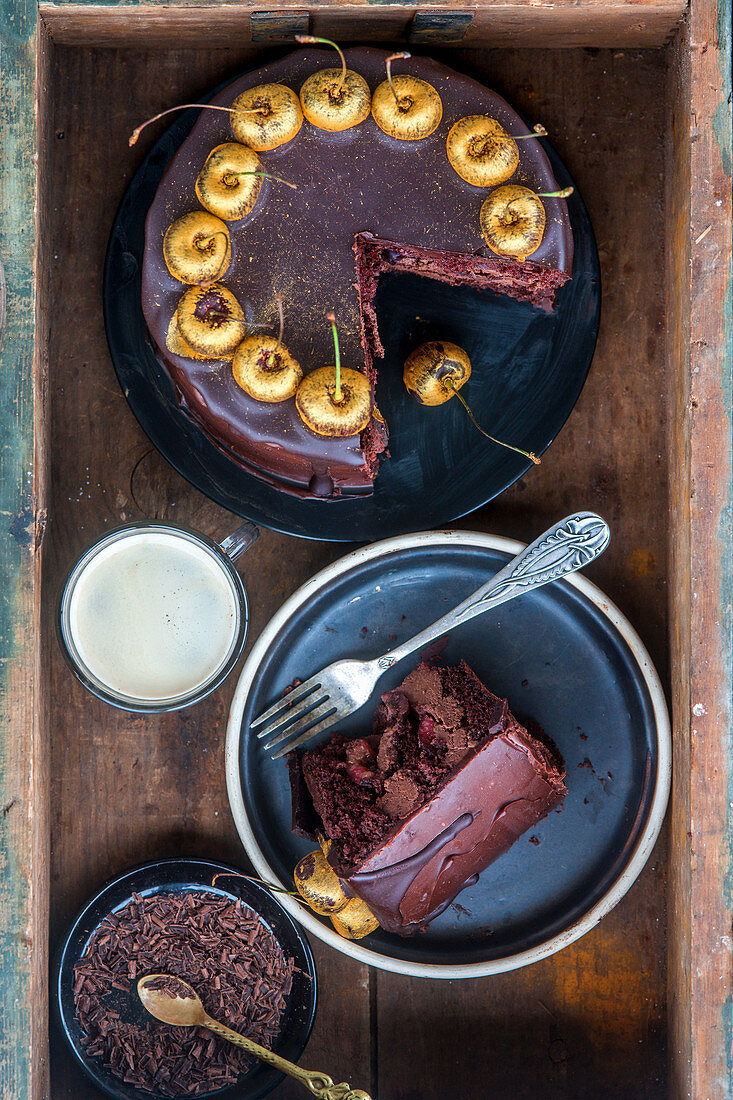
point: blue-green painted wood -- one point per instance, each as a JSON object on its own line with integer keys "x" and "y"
{"x": 21, "y": 955}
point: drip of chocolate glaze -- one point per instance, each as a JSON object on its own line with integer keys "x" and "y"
{"x": 389, "y": 890}
{"x": 321, "y": 485}
{"x": 393, "y": 882}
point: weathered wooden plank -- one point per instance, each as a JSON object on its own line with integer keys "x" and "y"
{"x": 677, "y": 197}
{"x": 149, "y": 786}
{"x": 549, "y": 23}
{"x": 278, "y": 26}
{"x": 23, "y": 802}
{"x": 158, "y": 783}
{"x": 701, "y": 959}
{"x": 439, "y": 28}
{"x": 592, "y": 1019}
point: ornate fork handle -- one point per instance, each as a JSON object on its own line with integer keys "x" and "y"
{"x": 570, "y": 545}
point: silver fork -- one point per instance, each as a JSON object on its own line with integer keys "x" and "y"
{"x": 342, "y": 687}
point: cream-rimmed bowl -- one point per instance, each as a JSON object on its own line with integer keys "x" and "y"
{"x": 564, "y": 656}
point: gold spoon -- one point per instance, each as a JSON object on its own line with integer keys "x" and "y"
{"x": 184, "y": 1009}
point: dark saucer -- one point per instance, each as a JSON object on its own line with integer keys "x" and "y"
{"x": 180, "y": 876}
{"x": 563, "y": 656}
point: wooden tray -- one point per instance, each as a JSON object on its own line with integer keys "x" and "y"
{"x": 636, "y": 98}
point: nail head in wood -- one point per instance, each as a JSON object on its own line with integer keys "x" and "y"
{"x": 278, "y": 26}
{"x": 439, "y": 28}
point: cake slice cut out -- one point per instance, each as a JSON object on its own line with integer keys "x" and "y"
{"x": 526, "y": 281}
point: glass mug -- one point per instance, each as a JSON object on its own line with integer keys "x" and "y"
{"x": 153, "y": 616}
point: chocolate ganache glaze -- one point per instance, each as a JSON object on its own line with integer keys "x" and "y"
{"x": 445, "y": 785}
{"x": 299, "y": 244}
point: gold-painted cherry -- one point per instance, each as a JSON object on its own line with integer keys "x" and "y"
{"x": 267, "y": 116}
{"x": 355, "y": 920}
{"x": 427, "y": 368}
{"x": 482, "y": 152}
{"x": 435, "y": 372}
{"x": 177, "y": 345}
{"x": 319, "y": 885}
{"x": 197, "y": 248}
{"x": 230, "y": 181}
{"x": 264, "y": 368}
{"x": 334, "y": 99}
{"x": 263, "y": 117}
{"x": 335, "y": 401}
{"x": 406, "y": 107}
{"x": 512, "y": 219}
{"x": 211, "y": 320}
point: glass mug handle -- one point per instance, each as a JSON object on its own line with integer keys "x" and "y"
{"x": 240, "y": 540}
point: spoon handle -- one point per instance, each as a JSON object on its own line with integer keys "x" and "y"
{"x": 318, "y": 1084}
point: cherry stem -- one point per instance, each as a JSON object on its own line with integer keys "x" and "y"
{"x": 184, "y": 107}
{"x": 202, "y": 243}
{"x": 311, "y": 40}
{"x": 262, "y": 882}
{"x": 268, "y": 175}
{"x": 448, "y": 383}
{"x": 538, "y": 131}
{"x": 564, "y": 194}
{"x": 273, "y": 353}
{"x": 390, "y": 59}
{"x": 337, "y": 393}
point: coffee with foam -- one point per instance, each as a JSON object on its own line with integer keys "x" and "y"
{"x": 153, "y": 615}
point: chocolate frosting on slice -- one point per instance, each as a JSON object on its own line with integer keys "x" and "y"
{"x": 499, "y": 793}
{"x": 456, "y": 780}
{"x": 300, "y": 244}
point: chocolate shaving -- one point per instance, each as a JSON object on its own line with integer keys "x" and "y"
{"x": 217, "y": 945}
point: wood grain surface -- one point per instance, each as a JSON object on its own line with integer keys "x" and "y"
{"x": 124, "y": 789}
{"x": 701, "y": 346}
{"x": 561, "y": 24}
{"x": 23, "y": 756}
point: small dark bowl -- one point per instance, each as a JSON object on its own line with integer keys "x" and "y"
{"x": 181, "y": 876}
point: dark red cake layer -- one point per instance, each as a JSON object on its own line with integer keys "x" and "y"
{"x": 526, "y": 281}
{"x": 445, "y": 784}
{"x": 299, "y": 244}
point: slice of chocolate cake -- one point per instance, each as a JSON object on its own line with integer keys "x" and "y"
{"x": 444, "y": 785}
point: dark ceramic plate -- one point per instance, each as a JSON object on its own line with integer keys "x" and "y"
{"x": 179, "y": 876}
{"x": 563, "y": 656}
{"x": 532, "y": 366}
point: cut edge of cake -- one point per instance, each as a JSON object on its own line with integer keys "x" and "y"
{"x": 526, "y": 281}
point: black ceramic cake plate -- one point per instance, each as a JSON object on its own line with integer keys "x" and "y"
{"x": 564, "y": 657}
{"x": 182, "y": 876}
{"x": 532, "y": 366}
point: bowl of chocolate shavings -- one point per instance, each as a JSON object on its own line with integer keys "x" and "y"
{"x": 217, "y": 929}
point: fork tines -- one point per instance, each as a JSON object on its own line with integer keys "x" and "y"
{"x": 298, "y": 716}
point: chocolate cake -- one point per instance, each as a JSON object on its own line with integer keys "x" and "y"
{"x": 398, "y": 204}
{"x": 445, "y": 783}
